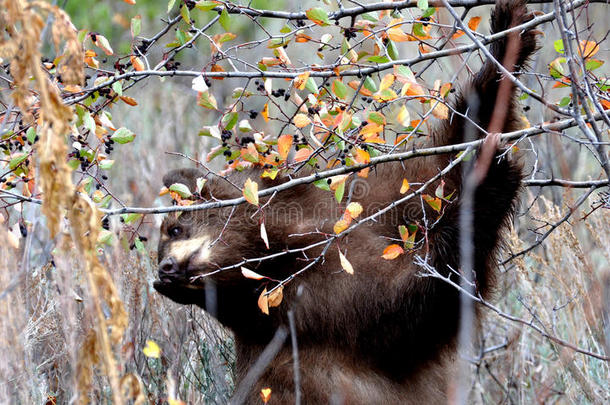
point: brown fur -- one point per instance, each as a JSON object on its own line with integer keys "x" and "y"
{"x": 383, "y": 334}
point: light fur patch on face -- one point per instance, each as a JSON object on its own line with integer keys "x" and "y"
{"x": 199, "y": 248}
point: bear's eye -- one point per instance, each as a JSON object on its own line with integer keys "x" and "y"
{"x": 174, "y": 231}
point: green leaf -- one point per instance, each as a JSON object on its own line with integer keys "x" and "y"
{"x": 186, "y": 15}
{"x": 429, "y": 11}
{"x": 377, "y": 118}
{"x": 558, "y": 45}
{"x": 89, "y": 122}
{"x": 422, "y": 4}
{"x": 16, "y": 161}
{"x": 206, "y": 5}
{"x": 418, "y": 30}
{"x": 181, "y": 36}
{"x": 593, "y": 64}
{"x": 378, "y": 59}
{"x": 286, "y": 29}
{"x": 130, "y": 218}
{"x": 244, "y": 126}
{"x": 340, "y": 191}
{"x": 370, "y": 85}
{"x": 105, "y": 237}
{"x": 392, "y": 50}
{"x": 339, "y": 89}
{"x": 123, "y": 135}
{"x": 30, "y": 134}
{"x": 318, "y": 15}
{"x": 229, "y": 120}
{"x": 225, "y": 20}
{"x": 370, "y": 17}
{"x": 139, "y": 246}
{"x": 322, "y": 183}
{"x": 136, "y": 26}
{"x": 106, "y": 164}
{"x": 311, "y": 85}
{"x": 118, "y": 88}
{"x": 182, "y": 190}
{"x": 170, "y": 5}
{"x": 564, "y": 101}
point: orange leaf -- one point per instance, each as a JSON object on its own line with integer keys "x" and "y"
{"x": 284, "y": 143}
{"x": 263, "y": 302}
{"x": 392, "y": 252}
{"x": 301, "y": 80}
{"x": 265, "y": 112}
{"x": 354, "y": 85}
{"x": 397, "y": 35}
{"x": 474, "y": 22}
{"x": 128, "y": 100}
{"x": 302, "y": 154}
{"x": 302, "y": 38}
{"x": 276, "y": 296}
{"x": 440, "y": 111}
{"x": 247, "y": 273}
{"x": 132, "y": 2}
{"x": 137, "y": 63}
{"x": 340, "y": 226}
{"x": 362, "y": 156}
{"x": 588, "y": 48}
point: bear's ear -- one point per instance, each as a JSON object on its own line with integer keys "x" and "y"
{"x": 185, "y": 176}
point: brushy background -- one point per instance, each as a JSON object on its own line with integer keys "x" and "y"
{"x": 562, "y": 284}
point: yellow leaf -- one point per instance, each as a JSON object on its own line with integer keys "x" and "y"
{"x": 265, "y": 394}
{"x": 173, "y": 401}
{"x": 265, "y": 112}
{"x": 435, "y": 203}
{"x": 336, "y": 181}
{"x": 405, "y": 186}
{"x": 354, "y": 209}
{"x": 276, "y": 296}
{"x": 251, "y": 192}
{"x": 152, "y": 350}
{"x": 340, "y": 226}
{"x": 386, "y": 82}
{"x": 392, "y": 252}
{"x": 301, "y": 80}
{"x": 263, "y": 302}
{"x": 247, "y": 273}
{"x": 264, "y": 235}
{"x": 362, "y": 156}
{"x": 301, "y": 120}
{"x": 347, "y": 266}
{"x": 403, "y": 117}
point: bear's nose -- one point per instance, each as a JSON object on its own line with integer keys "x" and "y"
{"x": 168, "y": 267}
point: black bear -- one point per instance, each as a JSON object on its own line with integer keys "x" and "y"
{"x": 383, "y": 334}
